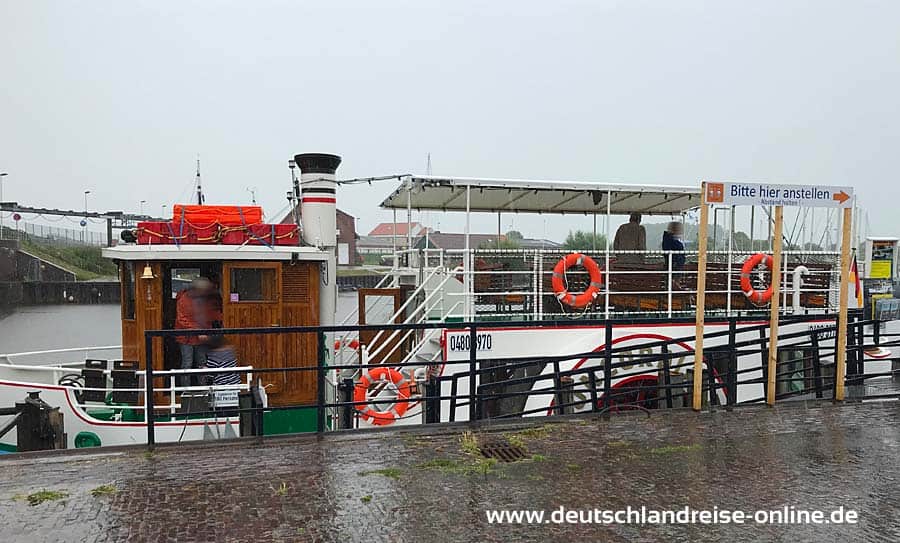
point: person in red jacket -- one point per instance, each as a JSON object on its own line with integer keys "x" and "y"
{"x": 193, "y": 311}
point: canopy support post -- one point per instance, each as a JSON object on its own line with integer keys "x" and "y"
{"x": 468, "y": 261}
{"x": 394, "y": 242}
{"x": 730, "y": 251}
{"x": 409, "y": 215}
{"x": 608, "y": 278}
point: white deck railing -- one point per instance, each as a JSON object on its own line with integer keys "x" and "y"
{"x": 508, "y": 282}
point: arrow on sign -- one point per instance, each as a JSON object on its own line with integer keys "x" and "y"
{"x": 840, "y": 196}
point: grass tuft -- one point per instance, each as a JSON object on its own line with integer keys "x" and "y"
{"x": 536, "y": 432}
{"x": 516, "y": 441}
{"x": 469, "y": 444}
{"x": 281, "y": 490}
{"x": 392, "y": 473}
{"x": 669, "y": 449}
{"x": 104, "y": 490}
{"x": 42, "y": 496}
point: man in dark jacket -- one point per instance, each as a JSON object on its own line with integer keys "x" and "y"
{"x": 671, "y": 241}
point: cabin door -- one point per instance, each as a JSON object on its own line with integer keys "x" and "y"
{"x": 250, "y": 299}
{"x": 377, "y": 306}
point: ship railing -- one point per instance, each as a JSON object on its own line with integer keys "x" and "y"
{"x": 516, "y": 283}
{"x": 805, "y": 369}
{"x": 59, "y": 378}
{"x": 736, "y": 362}
{"x": 61, "y": 357}
{"x": 174, "y": 390}
{"x": 433, "y": 299}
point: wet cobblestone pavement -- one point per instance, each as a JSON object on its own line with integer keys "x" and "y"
{"x": 422, "y": 486}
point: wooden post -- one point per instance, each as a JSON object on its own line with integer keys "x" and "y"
{"x": 773, "y": 311}
{"x": 701, "y": 301}
{"x": 841, "y": 345}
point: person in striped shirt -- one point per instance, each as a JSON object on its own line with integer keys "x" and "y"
{"x": 221, "y": 355}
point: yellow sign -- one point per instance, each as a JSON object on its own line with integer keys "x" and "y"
{"x": 880, "y": 269}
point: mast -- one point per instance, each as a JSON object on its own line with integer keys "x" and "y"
{"x": 199, "y": 187}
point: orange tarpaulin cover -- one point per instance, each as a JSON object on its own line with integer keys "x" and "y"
{"x": 224, "y": 215}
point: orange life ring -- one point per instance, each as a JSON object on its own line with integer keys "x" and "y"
{"x": 368, "y": 411}
{"x": 559, "y": 288}
{"x": 756, "y": 297}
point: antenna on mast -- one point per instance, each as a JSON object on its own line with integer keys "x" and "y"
{"x": 199, "y": 187}
{"x": 427, "y": 216}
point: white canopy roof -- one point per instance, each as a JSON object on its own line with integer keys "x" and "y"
{"x": 213, "y": 252}
{"x": 522, "y": 196}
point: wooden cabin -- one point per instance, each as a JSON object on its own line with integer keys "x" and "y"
{"x": 260, "y": 286}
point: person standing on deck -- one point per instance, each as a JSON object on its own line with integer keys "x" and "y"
{"x": 631, "y": 236}
{"x": 671, "y": 241}
{"x": 221, "y": 355}
{"x": 193, "y": 311}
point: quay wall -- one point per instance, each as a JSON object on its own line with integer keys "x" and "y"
{"x": 19, "y": 265}
{"x": 58, "y": 292}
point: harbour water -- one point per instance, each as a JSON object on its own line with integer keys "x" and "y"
{"x": 46, "y": 327}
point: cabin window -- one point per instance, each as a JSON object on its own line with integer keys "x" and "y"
{"x": 252, "y": 285}
{"x": 127, "y": 272}
{"x": 182, "y": 278}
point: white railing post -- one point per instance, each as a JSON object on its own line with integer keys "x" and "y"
{"x": 172, "y": 395}
{"x": 669, "y": 275}
{"x": 799, "y": 272}
{"x": 729, "y": 257}
{"x": 538, "y": 284}
{"x": 783, "y": 282}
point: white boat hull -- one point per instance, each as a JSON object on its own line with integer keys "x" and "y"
{"x": 555, "y": 342}
{"x": 76, "y": 419}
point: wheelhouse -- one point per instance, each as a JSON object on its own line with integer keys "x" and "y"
{"x": 258, "y": 286}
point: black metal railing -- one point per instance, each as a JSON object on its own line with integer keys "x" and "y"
{"x": 503, "y": 386}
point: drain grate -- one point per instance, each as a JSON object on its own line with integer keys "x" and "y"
{"x": 502, "y": 451}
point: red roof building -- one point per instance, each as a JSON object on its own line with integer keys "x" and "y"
{"x": 387, "y": 229}
{"x": 346, "y": 225}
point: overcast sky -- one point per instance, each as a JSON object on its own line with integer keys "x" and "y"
{"x": 119, "y": 97}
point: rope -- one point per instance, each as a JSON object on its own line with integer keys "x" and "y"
{"x": 218, "y": 231}
{"x": 254, "y": 236}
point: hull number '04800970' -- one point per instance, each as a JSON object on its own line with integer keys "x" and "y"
{"x": 461, "y": 342}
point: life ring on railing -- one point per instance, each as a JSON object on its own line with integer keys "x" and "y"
{"x": 756, "y": 297}
{"x": 559, "y": 288}
{"x": 368, "y": 411}
{"x": 352, "y": 344}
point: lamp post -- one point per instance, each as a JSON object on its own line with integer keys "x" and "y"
{"x": 84, "y": 222}
{"x": 2, "y": 175}
{"x": 142, "y": 206}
